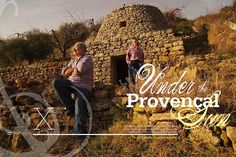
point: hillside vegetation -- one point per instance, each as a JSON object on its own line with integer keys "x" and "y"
{"x": 219, "y": 28}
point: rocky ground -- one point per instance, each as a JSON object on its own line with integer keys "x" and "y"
{"x": 110, "y": 115}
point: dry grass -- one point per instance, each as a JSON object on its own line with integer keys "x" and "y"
{"x": 130, "y": 146}
{"x": 220, "y": 35}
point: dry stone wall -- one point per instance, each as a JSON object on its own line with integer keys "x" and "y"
{"x": 144, "y": 22}
{"x": 43, "y": 71}
{"x": 131, "y": 20}
{"x": 160, "y": 47}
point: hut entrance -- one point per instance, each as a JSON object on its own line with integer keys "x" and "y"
{"x": 119, "y": 69}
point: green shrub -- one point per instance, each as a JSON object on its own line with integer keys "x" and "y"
{"x": 39, "y": 45}
{"x": 184, "y": 26}
{"x": 11, "y": 51}
{"x": 180, "y": 25}
{"x": 32, "y": 45}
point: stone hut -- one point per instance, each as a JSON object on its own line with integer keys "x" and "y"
{"x": 144, "y": 22}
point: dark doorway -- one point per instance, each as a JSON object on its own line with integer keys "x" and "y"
{"x": 119, "y": 69}
{"x": 122, "y": 24}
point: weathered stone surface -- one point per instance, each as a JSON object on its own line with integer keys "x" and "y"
{"x": 102, "y": 94}
{"x": 224, "y": 137}
{"x": 4, "y": 121}
{"x": 120, "y": 91}
{"x": 24, "y": 100}
{"x": 231, "y": 133}
{"x": 157, "y": 109}
{"x": 101, "y": 104}
{"x": 99, "y": 84}
{"x": 161, "y": 117}
{"x": 140, "y": 119}
{"x": 137, "y": 108}
{"x": 117, "y": 31}
{"x": 166, "y": 127}
{"x": 120, "y": 100}
{"x": 203, "y": 135}
{"x": 123, "y": 20}
{"x": 5, "y": 138}
{"x": 19, "y": 144}
{"x": 102, "y": 114}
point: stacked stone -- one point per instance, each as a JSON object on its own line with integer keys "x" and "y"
{"x": 144, "y": 22}
{"x": 102, "y": 118}
{"x": 160, "y": 47}
{"x": 41, "y": 71}
{"x": 131, "y": 19}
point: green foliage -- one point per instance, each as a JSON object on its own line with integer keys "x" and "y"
{"x": 184, "y": 26}
{"x": 32, "y": 45}
{"x": 12, "y": 50}
{"x": 35, "y": 45}
{"x": 176, "y": 21}
{"x": 39, "y": 45}
{"x": 197, "y": 45}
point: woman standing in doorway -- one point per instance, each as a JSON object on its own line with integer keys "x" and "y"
{"x": 134, "y": 59}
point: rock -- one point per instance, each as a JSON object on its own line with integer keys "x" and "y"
{"x": 120, "y": 100}
{"x": 231, "y": 133}
{"x": 5, "y": 113}
{"x": 118, "y": 128}
{"x": 21, "y": 84}
{"x": 139, "y": 109}
{"x": 31, "y": 83}
{"x": 102, "y": 94}
{"x": 101, "y": 104}
{"x": 37, "y": 105}
{"x": 166, "y": 127}
{"x": 120, "y": 91}
{"x": 102, "y": 114}
{"x": 224, "y": 137}
{"x": 35, "y": 119}
{"x": 157, "y": 109}
{"x": 140, "y": 119}
{"x": 161, "y": 117}
{"x": 11, "y": 89}
{"x": 50, "y": 95}
{"x": 19, "y": 144}
{"x": 4, "y": 121}
{"x": 99, "y": 85}
{"x": 25, "y": 100}
{"x": 5, "y": 140}
{"x": 204, "y": 135}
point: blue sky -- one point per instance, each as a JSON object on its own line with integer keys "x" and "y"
{"x": 49, "y": 14}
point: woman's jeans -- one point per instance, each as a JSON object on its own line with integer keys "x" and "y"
{"x": 64, "y": 90}
{"x": 133, "y": 68}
